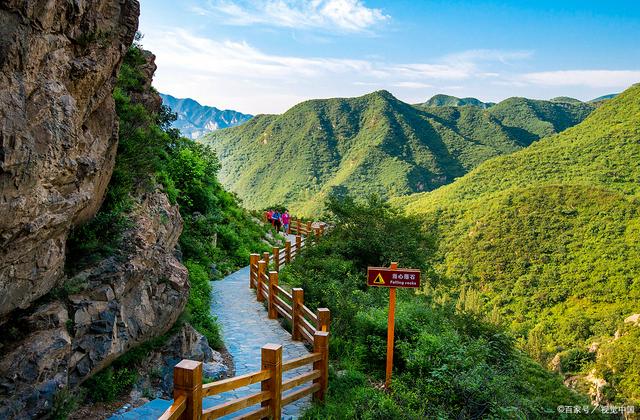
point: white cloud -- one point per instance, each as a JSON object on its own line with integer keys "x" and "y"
{"x": 462, "y": 65}
{"x": 237, "y": 75}
{"x": 412, "y": 85}
{"x": 331, "y": 15}
{"x": 590, "y": 78}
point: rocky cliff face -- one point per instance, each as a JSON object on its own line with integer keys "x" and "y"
{"x": 58, "y": 130}
{"x": 121, "y": 302}
{"x": 58, "y": 141}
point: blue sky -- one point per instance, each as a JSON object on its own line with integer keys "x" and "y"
{"x": 266, "y": 56}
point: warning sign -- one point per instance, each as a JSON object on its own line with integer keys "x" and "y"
{"x": 378, "y": 280}
{"x": 386, "y": 277}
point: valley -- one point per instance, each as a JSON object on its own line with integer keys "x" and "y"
{"x": 374, "y": 144}
{"x": 144, "y": 270}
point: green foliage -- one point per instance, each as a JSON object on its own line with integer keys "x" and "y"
{"x": 111, "y": 383}
{"x": 448, "y": 363}
{"x": 65, "y": 402}
{"x": 576, "y": 360}
{"x": 549, "y": 236}
{"x": 448, "y": 100}
{"x": 198, "y": 306}
{"x": 619, "y": 364}
{"x": 373, "y": 144}
{"x": 218, "y": 234}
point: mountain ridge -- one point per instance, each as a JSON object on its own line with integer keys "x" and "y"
{"x": 448, "y": 100}
{"x": 195, "y": 120}
{"x": 374, "y": 143}
{"x": 547, "y": 236}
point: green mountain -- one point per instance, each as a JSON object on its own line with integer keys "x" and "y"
{"x": 549, "y": 237}
{"x": 566, "y": 99}
{"x": 447, "y": 100}
{"x": 373, "y": 144}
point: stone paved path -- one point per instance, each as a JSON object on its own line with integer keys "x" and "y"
{"x": 245, "y": 329}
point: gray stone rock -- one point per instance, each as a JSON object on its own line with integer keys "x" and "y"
{"x": 58, "y": 131}
{"x": 214, "y": 370}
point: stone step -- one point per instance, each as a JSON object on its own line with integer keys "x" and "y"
{"x": 150, "y": 411}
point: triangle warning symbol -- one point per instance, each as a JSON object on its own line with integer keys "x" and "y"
{"x": 378, "y": 279}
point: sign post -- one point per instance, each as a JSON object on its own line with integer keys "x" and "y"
{"x": 391, "y": 326}
{"x": 392, "y": 278}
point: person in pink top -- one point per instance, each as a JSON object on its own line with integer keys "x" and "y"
{"x": 285, "y": 218}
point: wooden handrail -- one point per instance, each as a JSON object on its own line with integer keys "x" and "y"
{"x": 303, "y": 392}
{"x": 177, "y": 408}
{"x": 301, "y": 361}
{"x": 257, "y": 414}
{"x": 283, "y": 305}
{"x": 225, "y": 385}
{"x": 284, "y": 313}
{"x": 300, "y": 379}
{"x": 305, "y": 334}
{"x": 235, "y": 405}
{"x": 307, "y": 326}
{"x": 312, "y": 317}
{"x": 189, "y": 392}
{"x": 282, "y": 291}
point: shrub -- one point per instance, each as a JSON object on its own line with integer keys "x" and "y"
{"x": 109, "y": 384}
{"x": 447, "y": 363}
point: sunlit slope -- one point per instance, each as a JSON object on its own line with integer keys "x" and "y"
{"x": 550, "y": 235}
{"x": 370, "y": 144}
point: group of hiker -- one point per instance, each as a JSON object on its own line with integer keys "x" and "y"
{"x": 279, "y": 220}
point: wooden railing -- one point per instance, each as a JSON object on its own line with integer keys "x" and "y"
{"x": 300, "y": 227}
{"x": 274, "y": 393}
{"x": 306, "y": 325}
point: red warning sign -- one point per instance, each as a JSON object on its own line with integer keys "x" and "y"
{"x": 386, "y": 277}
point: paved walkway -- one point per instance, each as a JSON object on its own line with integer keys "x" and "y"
{"x": 245, "y": 329}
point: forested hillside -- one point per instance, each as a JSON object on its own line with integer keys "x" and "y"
{"x": 374, "y": 144}
{"x": 447, "y": 100}
{"x": 449, "y": 362}
{"x": 548, "y": 236}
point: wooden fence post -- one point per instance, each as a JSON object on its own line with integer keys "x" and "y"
{"x": 298, "y": 301}
{"x": 272, "y": 361}
{"x": 262, "y": 269}
{"x": 187, "y": 381}
{"x": 298, "y": 227}
{"x": 321, "y": 345}
{"x": 316, "y": 234}
{"x": 324, "y": 319}
{"x": 253, "y": 269}
{"x": 321, "y": 229}
{"x": 298, "y": 244}
{"x": 266, "y": 258}
{"x": 287, "y": 252}
{"x": 276, "y": 258}
{"x": 309, "y": 229}
{"x": 273, "y": 282}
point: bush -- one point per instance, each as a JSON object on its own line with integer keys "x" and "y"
{"x": 65, "y": 402}
{"x": 109, "y": 384}
{"x": 576, "y": 360}
{"x": 198, "y": 305}
{"x": 447, "y": 363}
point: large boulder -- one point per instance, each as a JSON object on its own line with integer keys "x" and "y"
{"x": 58, "y": 130}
